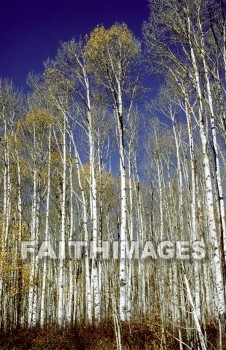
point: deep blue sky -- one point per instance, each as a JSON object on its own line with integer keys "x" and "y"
{"x": 30, "y": 31}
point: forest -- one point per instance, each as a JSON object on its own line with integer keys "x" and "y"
{"x": 112, "y": 206}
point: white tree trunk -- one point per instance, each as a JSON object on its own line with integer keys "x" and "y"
{"x": 215, "y": 244}
{"x": 44, "y": 272}
{"x": 61, "y": 277}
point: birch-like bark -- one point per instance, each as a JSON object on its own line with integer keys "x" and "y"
{"x": 123, "y": 219}
{"x": 88, "y": 300}
{"x": 19, "y": 258}
{"x": 220, "y": 198}
{"x": 215, "y": 246}
{"x": 61, "y": 276}
{"x": 71, "y": 296}
{"x": 196, "y": 319}
{"x": 33, "y": 235}
{"x": 194, "y": 194}
{"x": 93, "y": 203}
{"x": 43, "y": 306}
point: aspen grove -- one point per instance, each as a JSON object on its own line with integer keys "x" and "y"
{"x": 90, "y": 161}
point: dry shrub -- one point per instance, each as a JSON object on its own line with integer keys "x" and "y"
{"x": 135, "y": 335}
{"x": 212, "y": 332}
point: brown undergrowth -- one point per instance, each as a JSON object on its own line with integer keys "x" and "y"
{"x": 135, "y": 335}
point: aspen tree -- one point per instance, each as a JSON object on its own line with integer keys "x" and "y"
{"x": 110, "y": 54}
{"x": 72, "y": 63}
{"x": 185, "y": 61}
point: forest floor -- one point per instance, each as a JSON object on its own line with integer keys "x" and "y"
{"x": 142, "y": 335}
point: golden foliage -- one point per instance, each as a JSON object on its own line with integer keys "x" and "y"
{"x": 110, "y": 49}
{"x": 55, "y": 158}
{"x": 40, "y": 118}
{"x": 55, "y": 80}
